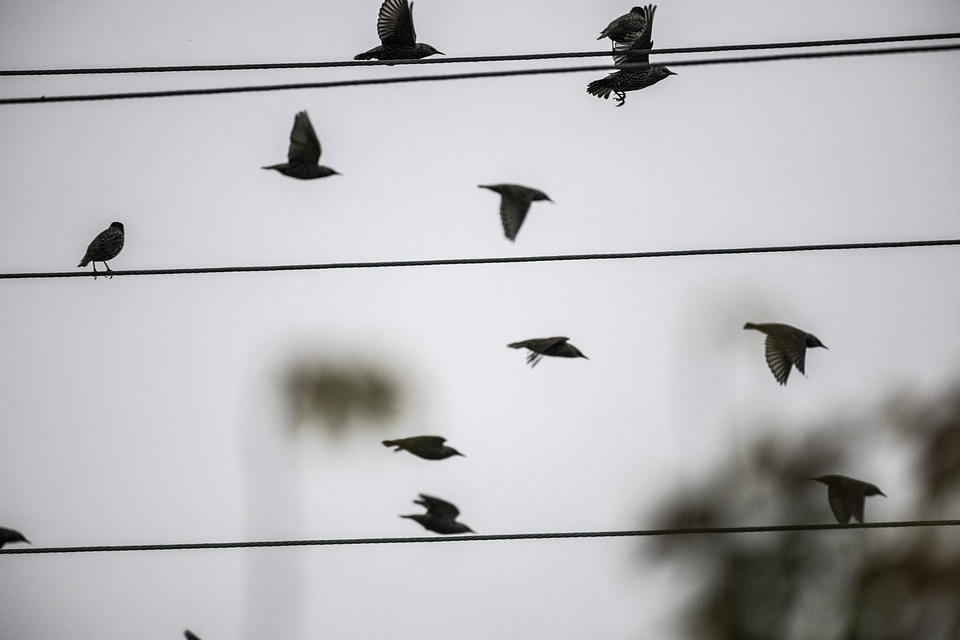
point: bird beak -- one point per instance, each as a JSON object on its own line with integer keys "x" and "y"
{"x": 881, "y": 493}
{"x": 671, "y": 73}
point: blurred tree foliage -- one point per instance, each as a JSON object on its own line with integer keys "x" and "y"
{"x": 880, "y": 584}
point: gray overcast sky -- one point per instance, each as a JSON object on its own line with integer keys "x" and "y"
{"x": 146, "y": 409}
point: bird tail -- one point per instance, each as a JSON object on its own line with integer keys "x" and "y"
{"x": 750, "y": 325}
{"x": 512, "y": 345}
{"x": 391, "y": 443}
{"x": 600, "y": 89}
{"x": 273, "y": 166}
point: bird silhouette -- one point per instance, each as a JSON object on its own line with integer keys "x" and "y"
{"x": 398, "y": 37}
{"x": 847, "y": 496}
{"x": 11, "y": 535}
{"x": 441, "y": 516}
{"x": 189, "y": 635}
{"x": 514, "y": 204}
{"x": 635, "y": 50}
{"x": 626, "y": 27}
{"x": 303, "y": 156}
{"x": 540, "y": 347}
{"x": 785, "y": 346}
{"x": 427, "y": 447}
{"x": 105, "y": 246}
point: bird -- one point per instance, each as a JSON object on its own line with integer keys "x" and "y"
{"x": 441, "y": 516}
{"x": 189, "y": 635}
{"x": 514, "y": 204}
{"x": 785, "y": 346}
{"x": 636, "y": 51}
{"x": 105, "y": 246}
{"x": 426, "y": 447}
{"x": 11, "y": 535}
{"x": 540, "y": 347}
{"x": 303, "y": 157}
{"x": 626, "y": 27}
{"x": 847, "y": 496}
{"x": 398, "y": 37}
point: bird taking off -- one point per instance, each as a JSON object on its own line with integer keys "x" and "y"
{"x": 426, "y": 447}
{"x": 11, "y": 535}
{"x": 303, "y": 157}
{"x": 627, "y": 27}
{"x": 635, "y": 50}
{"x": 785, "y": 346}
{"x": 398, "y": 38}
{"x": 105, "y": 246}
{"x": 540, "y": 347}
{"x": 847, "y": 496}
{"x": 441, "y": 516}
{"x": 514, "y": 204}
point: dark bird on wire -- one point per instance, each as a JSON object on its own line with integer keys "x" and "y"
{"x": 785, "y": 346}
{"x": 626, "y": 27}
{"x": 426, "y": 447}
{"x": 303, "y": 156}
{"x": 11, "y": 535}
{"x": 189, "y": 635}
{"x": 514, "y": 204}
{"x": 847, "y": 496}
{"x": 441, "y": 516}
{"x": 540, "y": 347}
{"x": 397, "y": 36}
{"x": 105, "y": 246}
{"x": 636, "y": 51}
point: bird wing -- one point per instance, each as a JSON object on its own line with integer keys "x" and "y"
{"x": 189, "y": 635}
{"x": 643, "y": 40}
{"x": 845, "y": 504}
{"x": 395, "y": 23}
{"x": 513, "y": 211}
{"x": 304, "y": 144}
{"x": 778, "y": 360}
{"x": 440, "y": 509}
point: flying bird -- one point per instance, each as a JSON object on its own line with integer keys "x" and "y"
{"x": 441, "y": 516}
{"x": 631, "y": 51}
{"x": 514, "y": 204}
{"x": 626, "y": 27}
{"x": 426, "y": 447}
{"x": 785, "y": 346}
{"x": 303, "y": 157}
{"x": 847, "y": 496}
{"x": 105, "y": 246}
{"x": 398, "y": 37}
{"x": 540, "y": 347}
{"x": 11, "y": 535}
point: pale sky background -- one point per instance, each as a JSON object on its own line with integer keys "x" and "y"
{"x": 146, "y": 409}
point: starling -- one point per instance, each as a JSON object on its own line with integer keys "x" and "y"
{"x": 11, "y": 535}
{"x": 514, "y": 203}
{"x": 626, "y": 27}
{"x": 426, "y": 447}
{"x": 632, "y": 51}
{"x": 303, "y": 157}
{"x": 397, "y": 35}
{"x": 105, "y": 246}
{"x": 540, "y": 347}
{"x": 847, "y": 496}
{"x": 785, "y": 345}
{"x": 189, "y": 635}
{"x": 441, "y": 516}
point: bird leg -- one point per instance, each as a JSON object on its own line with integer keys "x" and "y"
{"x": 621, "y": 97}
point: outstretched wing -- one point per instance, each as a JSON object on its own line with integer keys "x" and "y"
{"x": 440, "y": 509}
{"x": 641, "y": 42}
{"x": 779, "y": 360}
{"x": 513, "y": 211}
{"x": 304, "y": 144}
{"x": 845, "y": 504}
{"x": 395, "y": 24}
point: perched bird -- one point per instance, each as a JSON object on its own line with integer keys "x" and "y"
{"x": 11, "y": 535}
{"x": 785, "y": 346}
{"x": 514, "y": 204}
{"x": 397, "y": 35}
{"x": 441, "y": 516}
{"x": 847, "y": 496}
{"x": 189, "y": 635}
{"x": 303, "y": 157}
{"x": 427, "y": 447}
{"x": 540, "y": 347}
{"x": 636, "y": 51}
{"x": 105, "y": 246}
{"x": 626, "y": 27}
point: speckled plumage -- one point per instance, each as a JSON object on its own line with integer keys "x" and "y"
{"x": 303, "y": 155}
{"x": 785, "y": 346}
{"x": 104, "y": 247}
{"x": 398, "y": 37}
{"x": 626, "y": 27}
{"x": 514, "y": 204}
{"x": 441, "y": 516}
{"x": 847, "y": 496}
{"x": 539, "y": 347}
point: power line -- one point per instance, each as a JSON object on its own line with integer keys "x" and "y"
{"x": 486, "y": 538}
{"x": 469, "y": 76}
{"x": 442, "y": 262}
{"x": 472, "y": 59}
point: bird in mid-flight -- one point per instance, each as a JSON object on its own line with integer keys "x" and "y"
{"x": 514, "y": 204}
{"x": 398, "y": 38}
{"x": 441, "y": 516}
{"x": 303, "y": 156}
{"x": 426, "y": 447}
{"x": 785, "y": 346}
{"x": 540, "y": 347}
{"x": 626, "y": 27}
{"x": 105, "y": 246}
{"x": 847, "y": 496}
{"x": 11, "y": 535}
